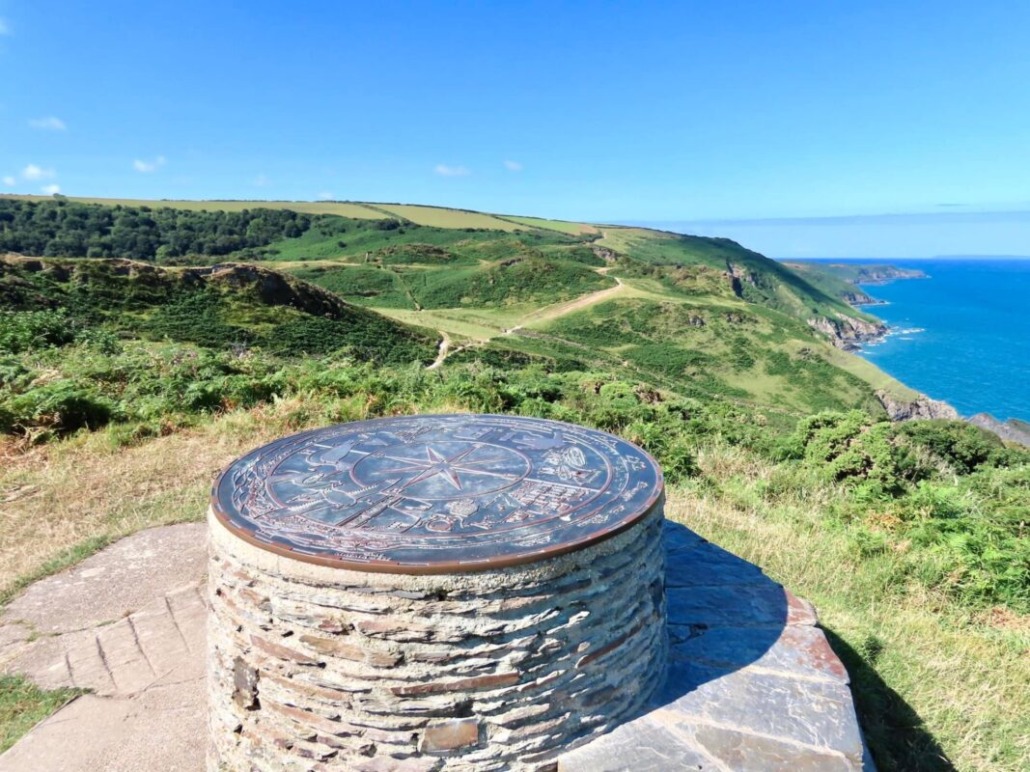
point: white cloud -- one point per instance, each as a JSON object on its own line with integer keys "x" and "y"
{"x": 513, "y": 166}
{"x": 33, "y": 173}
{"x": 451, "y": 171}
{"x": 5, "y": 28}
{"x": 50, "y": 123}
{"x": 146, "y": 167}
{"x": 325, "y": 195}
{"x": 51, "y": 190}
{"x": 9, "y": 181}
{"x": 262, "y": 181}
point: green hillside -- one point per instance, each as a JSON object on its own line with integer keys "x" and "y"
{"x": 125, "y": 382}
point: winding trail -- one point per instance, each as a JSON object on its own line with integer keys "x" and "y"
{"x": 550, "y": 313}
{"x": 445, "y": 347}
{"x": 545, "y": 314}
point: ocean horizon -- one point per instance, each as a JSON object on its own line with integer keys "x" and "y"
{"x": 961, "y": 335}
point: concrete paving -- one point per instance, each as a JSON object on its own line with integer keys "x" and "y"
{"x": 128, "y": 624}
{"x": 753, "y": 683}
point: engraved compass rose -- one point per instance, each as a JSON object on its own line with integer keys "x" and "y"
{"x": 444, "y": 470}
{"x": 436, "y": 463}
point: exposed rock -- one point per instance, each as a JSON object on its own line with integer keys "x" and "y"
{"x": 1011, "y": 430}
{"x": 859, "y": 298}
{"x": 848, "y": 333}
{"x": 921, "y": 407}
{"x": 273, "y": 288}
{"x": 608, "y": 255}
{"x": 735, "y": 275}
{"x": 881, "y": 274}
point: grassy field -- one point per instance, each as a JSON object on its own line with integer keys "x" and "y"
{"x": 931, "y": 678}
{"x": 562, "y": 226}
{"x": 447, "y": 218}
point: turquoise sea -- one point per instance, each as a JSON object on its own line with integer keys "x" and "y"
{"x": 963, "y": 335}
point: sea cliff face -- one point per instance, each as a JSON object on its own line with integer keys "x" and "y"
{"x": 881, "y": 274}
{"x": 848, "y": 333}
{"x": 922, "y": 407}
{"x": 1010, "y": 430}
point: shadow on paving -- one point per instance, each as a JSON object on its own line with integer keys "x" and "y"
{"x": 896, "y": 734}
{"x": 752, "y": 682}
{"x": 723, "y": 612}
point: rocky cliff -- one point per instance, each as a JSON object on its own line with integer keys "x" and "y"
{"x": 1011, "y": 430}
{"x": 919, "y": 408}
{"x": 847, "y": 332}
{"x": 881, "y": 274}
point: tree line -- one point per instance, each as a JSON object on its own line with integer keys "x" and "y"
{"x": 64, "y": 228}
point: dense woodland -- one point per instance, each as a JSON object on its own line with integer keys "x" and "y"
{"x": 63, "y": 228}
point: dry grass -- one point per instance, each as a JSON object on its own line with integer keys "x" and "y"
{"x": 61, "y": 502}
{"x": 55, "y": 498}
{"x": 562, "y": 226}
{"x": 438, "y": 217}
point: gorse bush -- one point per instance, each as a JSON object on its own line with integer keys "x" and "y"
{"x": 955, "y": 503}
{"x": 27, "y": 330}
{"x": 963, "y": 446}
{"x": 958, "y": 499}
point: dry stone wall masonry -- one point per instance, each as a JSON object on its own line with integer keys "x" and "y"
{"x": 317, "y": 666}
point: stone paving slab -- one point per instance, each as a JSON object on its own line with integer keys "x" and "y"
{"x": 753, "y": 683}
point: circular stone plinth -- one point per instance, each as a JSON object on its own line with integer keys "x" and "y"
{"x": 437, "y": 494}
{"x": 432, "y": 593}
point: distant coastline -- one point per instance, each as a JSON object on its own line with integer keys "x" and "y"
{"x": 962, "y": 337}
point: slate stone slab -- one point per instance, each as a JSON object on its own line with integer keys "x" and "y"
{"x": 799, "y": 650}
{"x": 752, "y": 681}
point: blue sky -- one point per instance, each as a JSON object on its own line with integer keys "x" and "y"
{"x": 792, "y": 126}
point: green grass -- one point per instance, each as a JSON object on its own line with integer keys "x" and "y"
{"x": 365, "y": 285}
{"x": 121, "y": 389}
{"x": 359, "y": 241}
{"x": 23, "y": 705}
{"x": 854, "y": 515}
{"x": 701, "y": 348}
{"x": 931, "y": 678}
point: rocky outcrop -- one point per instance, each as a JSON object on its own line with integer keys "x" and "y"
{"x": 881, "y": 274}
{"x": 736, "y": 275}
{"x": 273, "y": 288}
{"x": 922, "y": 407}
{"x": 1011, "y": 430}
{"x": 848, "y": 333}
{"x": 608, "y": 255}
{"x": 859, "y": 298}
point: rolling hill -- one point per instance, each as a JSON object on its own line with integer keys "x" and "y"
{"x": 144, "y": 344}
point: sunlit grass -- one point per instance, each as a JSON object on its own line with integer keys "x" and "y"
{"x": 929, "y": 675}
{"x": 23, "y": 705}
